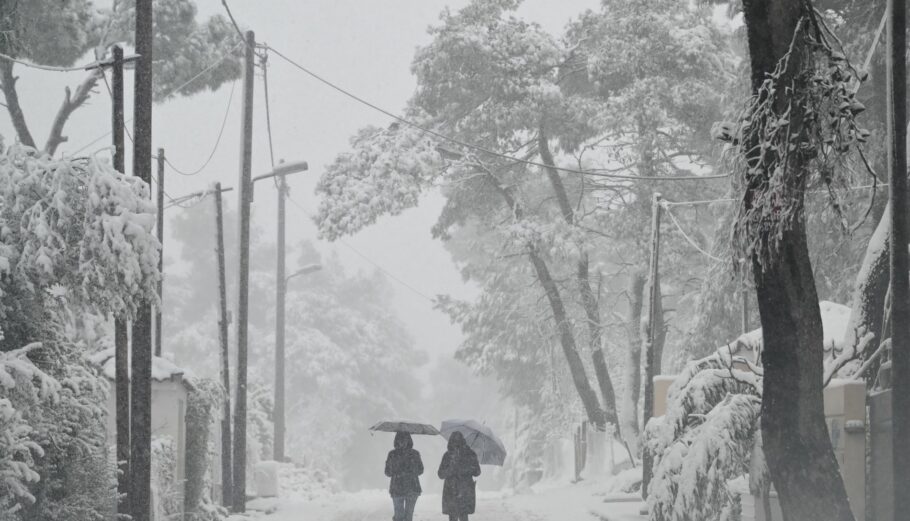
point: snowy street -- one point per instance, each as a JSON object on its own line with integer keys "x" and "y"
{"x": 522, "y": 260}
{"x": 488, "y": 509}
{"x": 561, "y": 503}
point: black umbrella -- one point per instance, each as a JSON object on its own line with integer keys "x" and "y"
{"x": 405, "y": 426}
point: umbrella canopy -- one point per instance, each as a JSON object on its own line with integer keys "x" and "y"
{"x": 488, "y": 447}
{"x": 404, "y": 426}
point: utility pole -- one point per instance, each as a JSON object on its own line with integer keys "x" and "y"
{"x": 141, "y": 385}
{"x": 744, "y": 294}
{"x": 281, "y": 292}
{"x": 654, "y": 321}
{"x": 900, "y": 264}
{"x": 246, "y": 184}
{"x": 227, "y": 483}
{"x": 160, "y": 229}
{"x": 121, "y": 338}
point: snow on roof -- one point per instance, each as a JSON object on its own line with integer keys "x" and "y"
{"x": 834, "y": 320}
{"x": 162, "y": 369}
{"x": 834, "y": 324}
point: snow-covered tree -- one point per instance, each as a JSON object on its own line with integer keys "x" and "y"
{"x": 75, "y": 245}
{"x": 598, "y": 100}
{"x": 59, "y": 33}
{"x": 76, "y": 226}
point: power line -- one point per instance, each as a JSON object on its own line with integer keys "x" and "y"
{"x": 233, "y": 21}
{"x": 51, "y": 68}
{"x": 685, "y": 235}
{"x": 173, "y": 91}
{"x": 666, "y": 205}
{"x": 465, "y": 144}
{"x": 227, "y": 112}
{"x": 730, "y": 200}
{"x": 110, "y": 92}
{"x": 385, "y": 271}
{"x": 376, "y": 265}
{"x": 268, "y": 111}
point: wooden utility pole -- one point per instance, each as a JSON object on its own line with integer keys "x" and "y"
{"x": 900, "y": 264}
{"x": 121, "y": 337}
{"x": 160, "y": 229}
{"x": 246, "y": 185}
{"x": 654, "y": 322}
{"x": 281, "y": 292}
{"x": 141, "y": 385}
{"x": 227, "y": 483}
{"x": 744, "y": 296}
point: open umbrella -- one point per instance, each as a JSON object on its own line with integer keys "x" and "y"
{"x": 404, "y": 426}
{"x": 488, "y": 447}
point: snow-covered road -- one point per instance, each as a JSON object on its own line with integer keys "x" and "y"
{"x": 583, "y": 502}
{"x": 374, "y": 507}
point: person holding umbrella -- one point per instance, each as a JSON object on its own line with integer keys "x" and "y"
{"x": 404, "y": 465}
{"x": 458, "y": 468}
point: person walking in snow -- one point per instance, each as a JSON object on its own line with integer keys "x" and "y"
{"x": 458, "y": 468}
{"x": 403, "y": 465}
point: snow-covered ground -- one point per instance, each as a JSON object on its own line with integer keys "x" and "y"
{"x": 584, "y": 501}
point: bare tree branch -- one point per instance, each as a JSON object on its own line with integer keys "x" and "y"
{"x": 12, "y": 103}
{"x": 71, "y": 102}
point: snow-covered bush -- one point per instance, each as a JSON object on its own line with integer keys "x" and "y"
{"x": 77, "y": 479}
{"x": 168, "y": 502}
{"x": 305, "y": 482}
{"x": 705, "y": 438}
{"x": 202, "y": 404}
{"x": 19, "y": 378}
{"x": 710, "y": 433}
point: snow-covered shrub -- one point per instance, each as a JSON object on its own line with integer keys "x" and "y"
{"x": 711, "y": 432}
{"x": 260, "y": 425}
{"x": 202, "y": 404}
{"x": 303, "y": 482}
{"x": 77, "y": 477}
{"x": 705, "y": 439}
{"x": 19, "y": 378}
{"x": 168, "y": 502}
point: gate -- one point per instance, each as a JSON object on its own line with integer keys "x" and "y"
{"x": 880, "y": 482}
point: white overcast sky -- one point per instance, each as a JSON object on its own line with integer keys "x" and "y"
{"x": 363, "y": 45}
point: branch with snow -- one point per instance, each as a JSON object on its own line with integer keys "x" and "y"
{"x": 80, "y": 225}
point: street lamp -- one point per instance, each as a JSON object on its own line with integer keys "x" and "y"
{"x": 279, "y": 410}
{"x": 310, "y": 268}
{"x": 281, "y": 172}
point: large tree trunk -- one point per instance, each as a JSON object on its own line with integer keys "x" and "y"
{"x": 632, "y": 367}
{"x": 567, "y": 341}
{"x": 797, "y": 446}
{"x": 588, "y": 298}
{"x": 566, "y": 336}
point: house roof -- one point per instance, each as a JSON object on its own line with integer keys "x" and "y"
{"x": 163, "y": 370}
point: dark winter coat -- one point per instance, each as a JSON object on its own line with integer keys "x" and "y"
{"x": 458, "y": 468}
{"x": 403, "y": 465}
